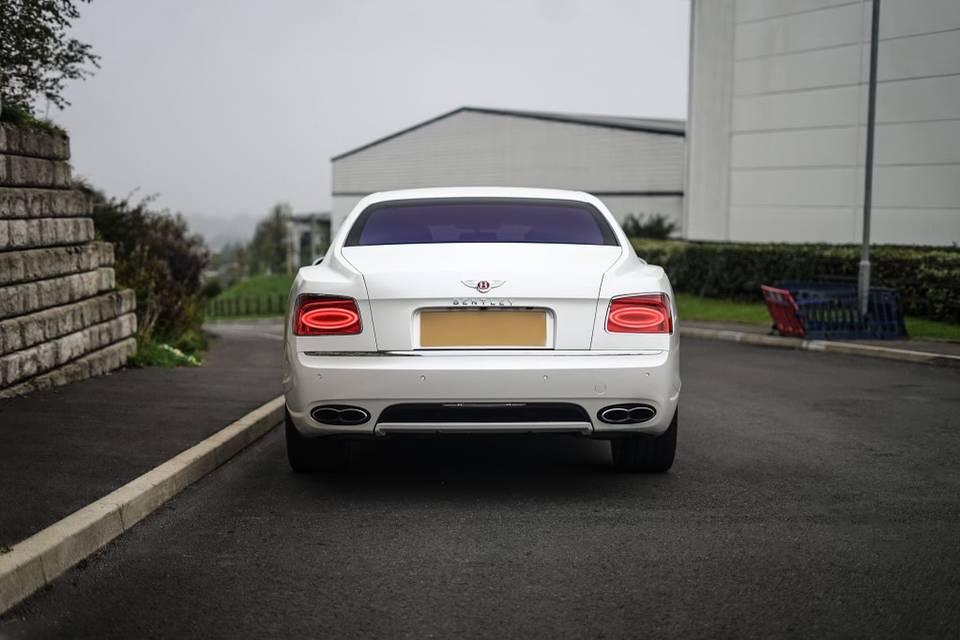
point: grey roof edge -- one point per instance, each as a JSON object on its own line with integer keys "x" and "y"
{"x": 672, "y": 127}
{"x": 623, "y": 123}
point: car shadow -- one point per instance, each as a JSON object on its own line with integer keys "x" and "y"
{"x": 482, "y": 465}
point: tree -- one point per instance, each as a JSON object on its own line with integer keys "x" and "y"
{"x": 37, "y": 57}
{"x": 268, "y": 249}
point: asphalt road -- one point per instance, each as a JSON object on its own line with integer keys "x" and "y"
{"x": 813, "y": 495}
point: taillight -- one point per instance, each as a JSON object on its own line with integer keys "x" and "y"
{"x": 324, "y": 316}
{"x": 649, "y": 313}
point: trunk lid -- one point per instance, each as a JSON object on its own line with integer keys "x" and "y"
{"x": 404, "y": 280}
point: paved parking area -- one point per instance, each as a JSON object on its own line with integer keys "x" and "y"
{"x": 814, "y": 495}
{"x": 63, "y": 448}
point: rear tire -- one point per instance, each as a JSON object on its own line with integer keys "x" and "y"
{"x": 306, "y": 455}
{"x": 638, "y": 453}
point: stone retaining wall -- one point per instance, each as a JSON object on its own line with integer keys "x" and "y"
{"x": 61, "y": 319}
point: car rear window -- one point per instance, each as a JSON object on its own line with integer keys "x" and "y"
{"x": 480, "y": 220}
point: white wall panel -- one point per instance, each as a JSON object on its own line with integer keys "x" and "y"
{"x": 842, "y": 224}
{"x": 897, "y": 101}
{"x": 902, "y": 58}
{"x": 910, "y": 17}
{"x": 808, "y": 109}
{"x": 921, "y": 99}
{"x": 935, "y": 142}
{"x": 917, "y": 56}
{"x": 932, "y": 186}
{"x": 810, "y": 69}
{"x": 829, "y": 27}
{"x": 918, "y": 143}
{"x": 794, "y": 224}
{"x": 796, "y": 187}
{"x": 803, "y": 148}
{"x": 753, "y": 10}
{"x": 915, "y": 226}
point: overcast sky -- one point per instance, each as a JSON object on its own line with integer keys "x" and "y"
{"x": 224, "y": 108}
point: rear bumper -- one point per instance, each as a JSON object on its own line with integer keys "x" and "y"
{"x": 591, "y": 379}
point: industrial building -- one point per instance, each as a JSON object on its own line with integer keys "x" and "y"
{"x": 777, "y": 115}
{"x": 635, "y": 165}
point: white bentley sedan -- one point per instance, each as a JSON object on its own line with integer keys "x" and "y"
{"x": 481, "y": 310}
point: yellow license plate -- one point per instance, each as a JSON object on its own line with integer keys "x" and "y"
{"x": 483, "y": 328}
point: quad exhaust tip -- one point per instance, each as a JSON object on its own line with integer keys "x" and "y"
{"x": 626, "y": 413}
{"x": 339, "y": 414}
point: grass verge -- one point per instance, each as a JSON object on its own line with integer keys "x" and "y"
{"x": 245, "y": 317}
{"x": 161, "y": 354}
{"x": 256, "y": 297}
{"x": 19, "y": 116}
{"x": 185, "y": 352}
{"x": 922, "y": 329}
{"x": 691, "y": 307}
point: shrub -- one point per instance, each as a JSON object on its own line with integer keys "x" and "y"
{"x": 928, "y": 278}
{"x": 211, "y": 288}
{"x": 157, "y": 258}
{"x": 656, "y": 226}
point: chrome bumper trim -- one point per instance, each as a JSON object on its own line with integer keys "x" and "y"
{"x": 483, "y": 427}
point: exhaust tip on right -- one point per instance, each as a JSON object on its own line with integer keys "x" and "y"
{"x": 626, "y": 413}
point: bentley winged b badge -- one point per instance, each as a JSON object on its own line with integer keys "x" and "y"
{"x": 483, "y": 285}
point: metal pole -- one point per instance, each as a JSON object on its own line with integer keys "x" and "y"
{"x": 863, "y": 284}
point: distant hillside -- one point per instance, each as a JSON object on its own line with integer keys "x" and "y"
{"x": 218, "y": 231}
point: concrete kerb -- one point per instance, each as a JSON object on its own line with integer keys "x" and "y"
{"x": 848, "y": 348}
{"x": 41, "y": 558}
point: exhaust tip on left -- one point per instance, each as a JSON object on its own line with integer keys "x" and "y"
{"x": 339, "y": 414}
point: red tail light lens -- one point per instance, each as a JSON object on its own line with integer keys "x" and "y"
{"x": 640, "y": 314}
{"x": 325, "y": 316}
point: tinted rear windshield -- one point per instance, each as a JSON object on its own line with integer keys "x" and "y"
{"x": 480, "y": 220}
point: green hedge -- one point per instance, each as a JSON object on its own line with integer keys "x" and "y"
{"x": 928, "y": 278}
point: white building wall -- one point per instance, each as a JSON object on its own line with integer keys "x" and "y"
{"x": 709, "y": 117}
{"x": 793, "y": 158}
{"x": 631, "y": 171}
